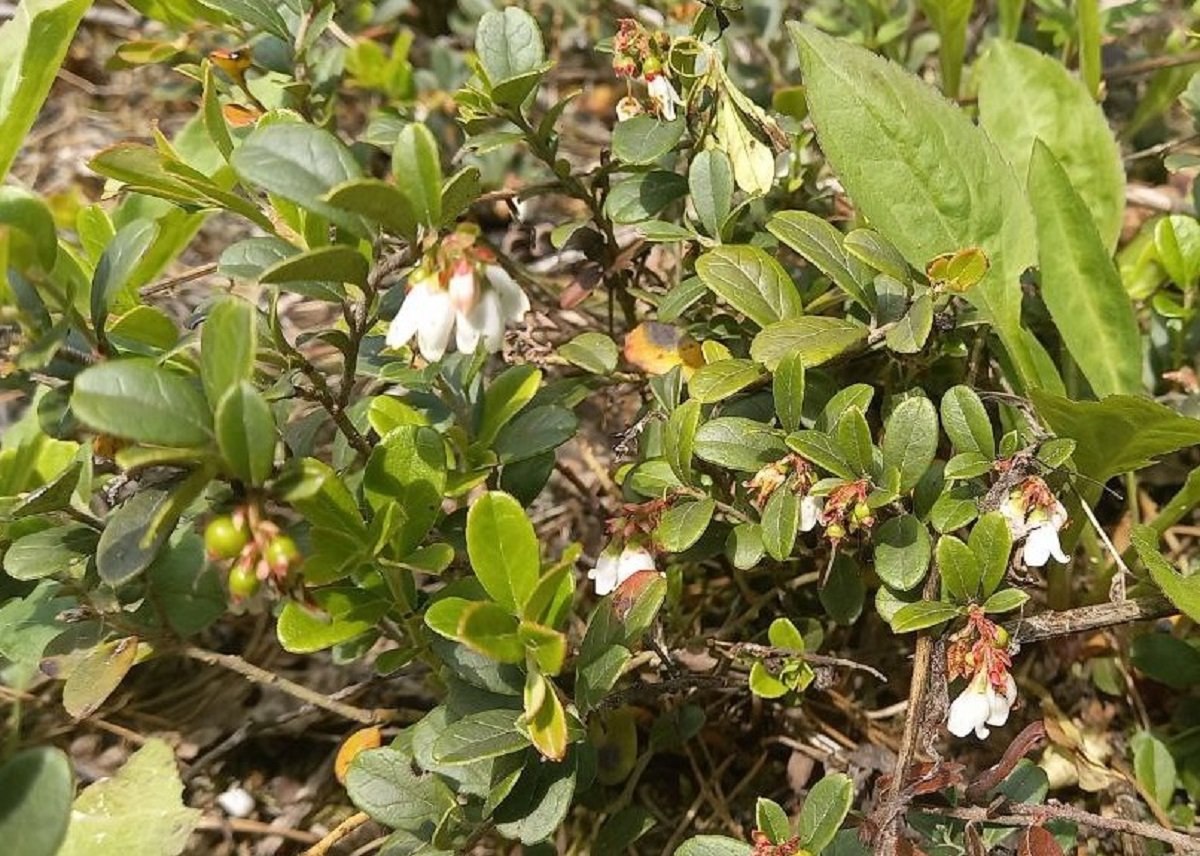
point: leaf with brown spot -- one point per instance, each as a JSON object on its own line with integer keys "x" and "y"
{"x": 1037, "y": 841}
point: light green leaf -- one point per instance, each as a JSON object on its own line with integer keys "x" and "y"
{"x": 780, "y": 523}
{"x": 918, "y": 169}
{"x": 377, "y": 201}
{"x": 36, "y": 787}
{"x": 750, "y": 281}
{"x": 117, "y": 265}
{"x": 340, "y": 614}
{"x": 594, "y": 352}
{"x": 710, "y": 182}
{"x": 96, "y": 676}
{"x": 1119, "y": 434}
{"x": 679, "y": 439}
{"x": 30, "y": 217}
{"x": 739, "y": 443}
{"x": 1080, "y": 283}
{"x": 642, "y": 196}
{"x": 32, "y": 47}
{"x": 991, "y": 542}
{"x": 822, "y": 244}
{"x": 902, "y": 552}
{"x": 1182, "y": 591}
{"x": 966, "y": 422}
{"x": 910, "y": 439}
{"x": 228, "y": 340}
{"x": 959, "y": 568}
{"x": 824, "y": 810}
{"x": 1025, "y": 95}
{"x": 382, "y": 783}
{"x": 787, "y": 389}
{"x": 503, "y": 549}
{"x": 418, "y": 171}
{"x": 408, "y": 467}
{"x": 479, "y": 736}
{"x": 682, "y": 525}
{"x": 1005, "y": 600}
{"x": 713, "y": 845}
{"x": 505, "y": 397}
{"x": 509, "y": 44}
{"x": 338, "y": 263}
{"x": 59, "y": 551}
{"x": 301, "y": 163}
{"x": 922, "y": 614}
{"x": 138, "y": 810}
{"x": 717, "y": 381}
{"x": 1154, "y": 767}
{"x": 817, "y": 339}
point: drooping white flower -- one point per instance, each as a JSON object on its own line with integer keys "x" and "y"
{"x": 1042, "y": 544}
{"x": 664, "y": 96}
{"x": 1035, "y": 514}
{"x": 999, "y": 704}
{"x": 972, "y": 709}
{"x": 463, "y": 308}
{"x": 617, "y": 563}
{"x": 427, "y": 313}
{"x": 810, "y": 512}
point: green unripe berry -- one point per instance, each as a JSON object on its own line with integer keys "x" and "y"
{"x": 281, "y": 553}
{"x": 243, "y": 581}
{"x": 224, "y": 539}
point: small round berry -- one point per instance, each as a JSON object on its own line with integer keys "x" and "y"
{"x": 1002, "y": 637}
{"x": 243, "y": 581}
{"x": 224, "y": 539}
{"x": 281, "y": 553}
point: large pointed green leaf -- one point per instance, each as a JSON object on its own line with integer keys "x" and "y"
{"x": 1025, "y": 95}
{"x": 927, "y": 178}
{"x": 1080, "y": 283}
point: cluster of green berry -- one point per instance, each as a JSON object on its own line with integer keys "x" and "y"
{"x": 261, "y": 551}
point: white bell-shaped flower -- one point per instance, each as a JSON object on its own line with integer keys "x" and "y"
{"x": 428, "y": 314}
{"x": 1000, "y": 704}
{"x": 617, "y": 563}
{"x": 972, "y": 709}
{"x": 810, "y": 512}
{"x": 1042, "y": 544}
{"x": 463, "y": 309}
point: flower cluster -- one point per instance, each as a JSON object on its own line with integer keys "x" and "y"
{"x": 798, "y": 474}
{"x": 639, "y": 53}
{"x": 764, "y": 847}
{"x": 1035, "y": 514}
{"x": 457, "y": 288}
{"x": 846, "y": 510}
{"x": 630, "y": 547}
{"x": 979, "y": 653}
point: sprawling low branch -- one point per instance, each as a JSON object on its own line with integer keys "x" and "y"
{"x": 1048, "y": 625}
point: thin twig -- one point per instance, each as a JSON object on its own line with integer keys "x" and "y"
{"x": 1048, "y": 625}
{"x": 169, "y": 283}
{"x": 267, "y": 678}
{"x": 253, "y": 827}
{"x": 353, "y": 822}
{"x": 1021, "y": 814}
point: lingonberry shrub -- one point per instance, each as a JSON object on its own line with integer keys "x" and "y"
{"x": 874, "y": 373}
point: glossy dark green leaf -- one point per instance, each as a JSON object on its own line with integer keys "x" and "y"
{"x": 966, "y": 422}
{"x": 117, "y": 265}
{"x": 337, "y": 263}
{"x": 408, "y": 467}
{"x": 710, "y": 182}
{"x": 228, "y": 340}
{"x": 301, "y": 163}
{"x": 682, "y": 525}
{"x": 377, "y": 201}
{"x": 902, "y": 552}
{"x": 642, "y": 196}
{"x": 139, "y": 400}
{"x": 910, "y": 439}
{"x": 246, "y": 433}
{"x": 959, "y": 568}
{"x": 739, "y": 443}
{"x": 644, "y": 139}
